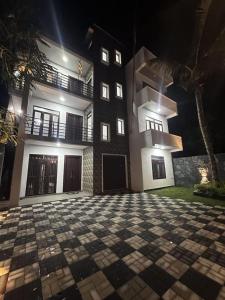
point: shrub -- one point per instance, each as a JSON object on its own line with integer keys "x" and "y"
{"x": 216, "y": 190}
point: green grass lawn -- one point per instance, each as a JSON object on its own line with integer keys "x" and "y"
{"x": 186, "y": 193}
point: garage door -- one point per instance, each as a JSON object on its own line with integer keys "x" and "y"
{"x": 114, "y": 172}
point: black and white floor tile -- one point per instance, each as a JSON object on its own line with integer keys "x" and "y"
{"x": 132, "y": 246}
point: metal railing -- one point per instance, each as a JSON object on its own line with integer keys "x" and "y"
{"x": 55, "y": 131}
{"x": 63, "y": 82}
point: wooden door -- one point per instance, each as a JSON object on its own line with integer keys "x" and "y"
{"x": 114, "y": 172}
{"x": 42, "y": 175}
{"x": 72, "y": 173}
{"x": 74, "y": 128}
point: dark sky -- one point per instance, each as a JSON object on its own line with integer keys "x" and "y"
{"x": 166, "y": 27}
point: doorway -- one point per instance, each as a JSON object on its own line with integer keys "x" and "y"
{"x": 42, "y": 175}
{"x": 72, "y": 173}
{"x": 114, "y": 172}
{"x": 74, "y": 126}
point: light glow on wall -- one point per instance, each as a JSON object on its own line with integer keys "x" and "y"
{"x": 65, "y": 59}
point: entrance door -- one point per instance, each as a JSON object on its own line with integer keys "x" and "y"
{"x": 42, "y": 175}
{"x": 74, "y": 126}
{"x": 72, "y": 173}
{"x": 114, "y": 172}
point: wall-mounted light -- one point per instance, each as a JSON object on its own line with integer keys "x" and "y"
{"x": 65, "y": 59}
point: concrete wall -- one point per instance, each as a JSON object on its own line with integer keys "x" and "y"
{"x": 46, "y": 150}
{"x": 186, "y": 169}
{"x": 148, "y": 181}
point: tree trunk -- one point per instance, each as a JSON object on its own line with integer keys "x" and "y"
{"x": 18, "y": 161}
{"x": 205, "y": 135}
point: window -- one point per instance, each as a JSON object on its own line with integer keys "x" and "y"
{"x": 119, "y": 90}
{"x": 118, "y": 59}
{"x": 105, "y": 132}
{"x": 153, "y": 124}
{"x": 120, "y": 127}
{"x": 158, "y": 167}
{"x": 89, "y": 127}
{"x": 104, "y": 91}
{"x": 105, "y": 56}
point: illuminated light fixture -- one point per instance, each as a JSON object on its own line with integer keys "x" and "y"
{"x": 65, "y": 58}
{"x": 16, "y": 73}
{"x": 58, "y": 144}
{"x": 11, "y": 108}
{"x": 62, "y": 99}
{"x": 158, "y": 110}
{"x": 19, "y": 111}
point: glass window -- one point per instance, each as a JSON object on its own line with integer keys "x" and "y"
{"x": 158, "y": 167}
{"x": 153, "y": 124}
{"x": 105, "y": 132}
{"x": 118, "y": 58}
{"x": 119, "y": 90}
{"x": 105, "y": 55}
{"x": 105, "y": 91}
{"x": 120, "y": 126}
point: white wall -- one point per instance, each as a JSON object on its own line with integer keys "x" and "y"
{"x": 46, "y": 150}
{"x": 148, "y": 182}
{"x": 143, "y": 113}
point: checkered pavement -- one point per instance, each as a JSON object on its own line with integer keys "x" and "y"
{"x": 132, "y": 246}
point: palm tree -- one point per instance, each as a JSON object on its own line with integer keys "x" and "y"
{"x": 21, "y": 62}
{"x": 204, "y": 60}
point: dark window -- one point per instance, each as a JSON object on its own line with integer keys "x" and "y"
{"x": 158, "y": 167}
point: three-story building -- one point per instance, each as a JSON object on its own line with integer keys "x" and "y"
{"x": 149, "y": 109}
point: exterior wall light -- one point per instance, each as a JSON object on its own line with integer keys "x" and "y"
{"x": 65, "y": 58}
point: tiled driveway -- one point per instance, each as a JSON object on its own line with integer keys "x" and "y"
{"x": 135, "y": 246}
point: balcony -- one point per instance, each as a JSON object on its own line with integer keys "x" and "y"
{"x": 58, "y": 132}
{"x": 162, "y": 140}
{"x": 147, "y": 71}
{"x": 156, "y": 102}
{"x": 63, "y": 82}
{"x": 68, "y": 84}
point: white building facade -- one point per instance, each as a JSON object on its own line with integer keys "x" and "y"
{"x": 150, "y": 142}
{"x": 58, "y": 129}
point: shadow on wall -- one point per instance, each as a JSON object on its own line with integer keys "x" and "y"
{"x": 187, "y": 169}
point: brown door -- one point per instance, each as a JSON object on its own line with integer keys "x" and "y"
{"x": 72, "y": 173}
{"x": 42, "y": 175}
{"x": 74, "y": 125}
{"x": 114, "y": 172}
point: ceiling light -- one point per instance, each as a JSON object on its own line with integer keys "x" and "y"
{"x": 62, "y": 98}
{"x": 65, "y": 58}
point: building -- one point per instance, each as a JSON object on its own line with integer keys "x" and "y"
{"x": 76, "y": 135}
{"x": 150, "y": 142}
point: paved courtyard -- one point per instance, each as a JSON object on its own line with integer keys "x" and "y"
{"x": 137, "y": 246}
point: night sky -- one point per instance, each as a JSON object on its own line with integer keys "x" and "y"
{"x": 166, "y": 28}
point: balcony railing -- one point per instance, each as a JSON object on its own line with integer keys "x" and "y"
{"x": 55, "y": 131}
{"x": 61, "y": 81}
